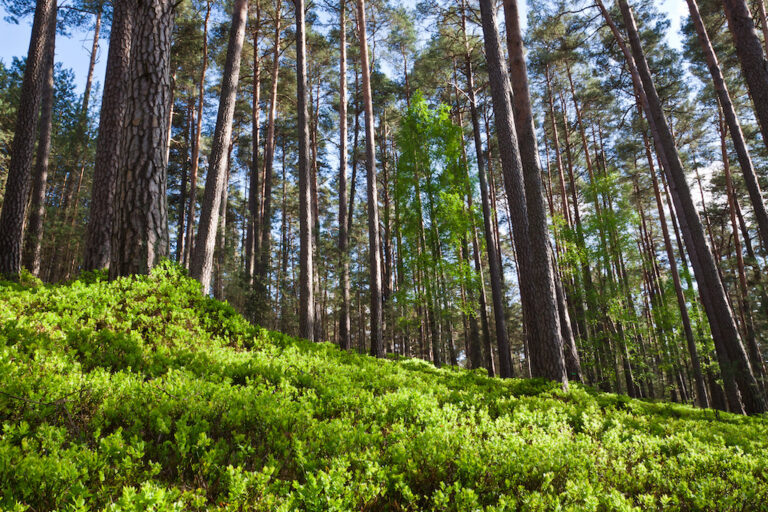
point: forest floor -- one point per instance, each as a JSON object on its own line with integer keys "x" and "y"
{"x": 142, "y": 394}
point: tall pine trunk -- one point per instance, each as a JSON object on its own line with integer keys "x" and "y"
{"x": 189, "y": 236}
{"x": 377, "y": 343}
{"x": 113, "y": 105}
{"x": 140, "y": 228}
{"x": 22, "y": 148}
{"x": 494, "y": 263}
{"x": 254, "y": 182}
{"x": 306, "y": 267}
{"x": 344, "y": 320}
{"x": 34, "y": 234}
{"x": 202, "y": 259}
{"x": 546, "y": 350}
{"x": 264, "y": 220}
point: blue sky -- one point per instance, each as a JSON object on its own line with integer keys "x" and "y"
{"x": 73, "y": 51}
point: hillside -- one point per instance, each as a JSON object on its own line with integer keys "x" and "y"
{"x": 143, "y": 395}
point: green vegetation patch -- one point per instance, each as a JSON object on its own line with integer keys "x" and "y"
{"x": 142, "y": 394}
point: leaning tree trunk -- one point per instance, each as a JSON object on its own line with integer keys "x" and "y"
{"x": 113, "y": 103}
{"x": 205, "y": 243}
{"x": 546, "y": 350}
{"x": 753, "y": 62}
{"x": 344, "y": 320}
{"x": 377, "y": 344}
{"x": 306, "y": 279}
{"x": 140, "y": 226}
{"x": 22, "y": 148}
{"x": 733, "y": 356}
{"x": 731, "y": 119}
{"x": 34, "y": 234}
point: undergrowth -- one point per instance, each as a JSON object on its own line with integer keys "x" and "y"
{"x": 141, "y": 394}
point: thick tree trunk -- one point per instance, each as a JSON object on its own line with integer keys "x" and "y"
{"x": 113, "y": 105}
{"x": 189, "y": 242}
{"x": 34, "y": 233}
{"x": 536, "y": 293}
{"x": 731, "y": 119}
{"x": 377, "y": 343}
{"x": 202, "y": 259}
{"x": 140, "y": 228}
{"x": 22, "y": 149}
{"x": 306, "y": 266}
{"x": 753, "y": 63}
{"x": 724, "y": 331}
{"x": 546, "y": 350}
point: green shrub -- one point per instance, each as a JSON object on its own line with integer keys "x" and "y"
{"x": 141, "y": 394}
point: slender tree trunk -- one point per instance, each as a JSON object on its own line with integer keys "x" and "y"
{"x": 254, "y": 182}
{"x": 344, "y": 322}
{"x": 202, "y": 259}
{"x": 377, "y": 343}
{"x": 701, "y": 390}
{"x": 180, "y": 232}
{"x": 747, "y": 397}
{"x": 731, "y": 119}
{"x": 113, "y": 106}
{"x": 743, "y": 296}
{"x": 140, "y": 229}
{"x": 306, "y": 266}
{"x": 220, "y": 254}
{"x": 22, "y": 148}
{"x": 497, "y": 293}
{"x": 34, "y": 234}
{"x": 264, "y": 220}
{"x": 188, "y": 246}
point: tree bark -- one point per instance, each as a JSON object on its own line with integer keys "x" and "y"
{"x": 546, "y": 350}
{"x": 34, "y": 234}
{"x": 753, "y": 63}
{"x": 727, "y": 339}
{"x": 734, "y": 126}
{"x": 202, "y": 259}
{"x": 113, "y": 106}
{"x": 344, "y": 320}
{"x": 306, "y": 266}
{"x": 253, "y": 183}
{"x": 22, "y": 148}
{"x": 189, "y": 243}
{"x": 497, "y": 293}
{"x": 377, "y": 344}
{"x": 140, "y": 226}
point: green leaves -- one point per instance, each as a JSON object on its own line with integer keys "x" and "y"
{"x": 138, "y": 395}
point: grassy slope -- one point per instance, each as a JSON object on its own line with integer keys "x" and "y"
{"x": 143, "y": 395}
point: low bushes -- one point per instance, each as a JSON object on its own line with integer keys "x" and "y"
{"x": 142, "y": 394}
